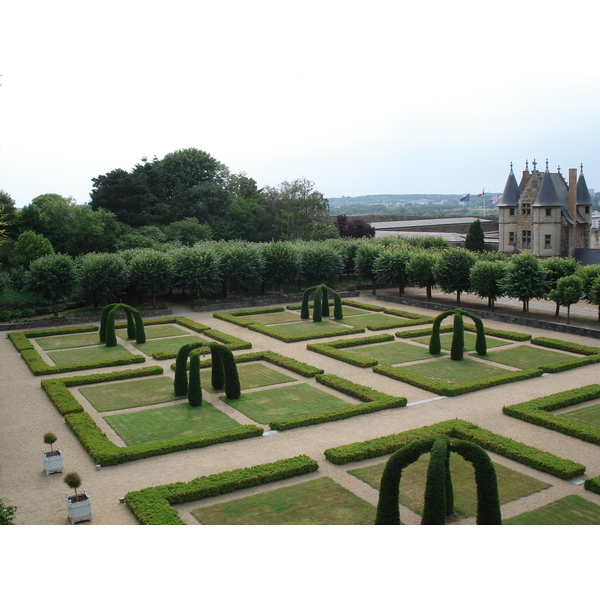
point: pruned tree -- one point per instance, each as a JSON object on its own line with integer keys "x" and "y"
{"x": 525, "y": 279}
{"x": 452, "y": 271}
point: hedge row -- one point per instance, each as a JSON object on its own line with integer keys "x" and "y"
{"x": 499, "y": 333}
{"x": 362, "y": 305}
{"x": 592, "y": 484}
{"x": 527, "y": 455}
{"x": 332, "y": 349}
{"x": 538, "y": 412}
{"x": 289, "y": 338}
{"x": 100, "y": 448}
{"x": 360, "y": 392}
{"x": 566, "y": 346}
{"x": 152, "y": 506}
{"x": 454, "y": 389}
{"x": 232, "y": 342}
{"x": 256, "y": 311}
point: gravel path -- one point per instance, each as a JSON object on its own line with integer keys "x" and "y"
{"x": 26, "y": 414}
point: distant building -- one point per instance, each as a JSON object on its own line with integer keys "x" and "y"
{"x": 596, "y": 220}
{"x": 544, "y": 214}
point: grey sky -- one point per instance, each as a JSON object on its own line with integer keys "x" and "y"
{"x": 359, "y": 97}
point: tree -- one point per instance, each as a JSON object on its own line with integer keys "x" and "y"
{"x": 593, "y": 294}
{"x": 366, "y": 255}
{"x": 356, "y": 228}
{"x": 150, "y": 272}
{"x": 7, "y": 513}
{"x": 188, "y": 231}
{"x": 240, "y": 266}
{"x": 195, "y": 270}
{"x": 475, "y": 240}
{"x": 102, "y": 277}
{"x": 557, "y": 267}
{"x": 452, "y": 271}
{"x": 319, "y": 262}
{"x": 525, "y": 279}
{"x": 73, "y": 480}
{"x": 486, "y": 277}
{"x": 568, "y": 290}
{"x": 52, "y": 277}
{"x": 281, "y": 263}
{"x": 420, "y": 267}
{"x": 390, "y": 267}
{"x": 29, "y": 247}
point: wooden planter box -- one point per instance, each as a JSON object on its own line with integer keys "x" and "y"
{"x": 53, "y": 461}
{"x": 79, "y": 507}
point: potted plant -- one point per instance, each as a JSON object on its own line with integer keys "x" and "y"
{"x": 78, "y": 505}
{"x": 53, "y": 460}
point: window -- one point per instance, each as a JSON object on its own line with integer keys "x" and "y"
{"x": 547, "y": 241}
{"x": 548, "y": 212}
{"x": 587, "y": 210}
{"x": 511, "y": 212}
{"x": 511, "y": 238}
{"x": 526, "y": 208}
{"x": 526, "y": 238}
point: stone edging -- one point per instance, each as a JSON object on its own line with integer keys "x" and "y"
{"x": 493, "y": 316}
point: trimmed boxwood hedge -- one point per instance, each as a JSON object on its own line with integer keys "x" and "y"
{"x": 592, "y": 484}
{"x": 152, "y": 506}
{"x": 499, "y": 333}
{"x": 96, "y": 443}
{"x": 232, "y": 316}
{"x": 538, "y": 412}
{"x": 289, "y": 338}
{"x": 332, "y": 349}
{"x": 566, "y": 346}
{"x": 362, "y": 305}
{"x": 454, "y": 389}
{"x": 463, "y": 430}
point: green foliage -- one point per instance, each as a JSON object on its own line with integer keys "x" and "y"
{"x": 281, "y": 263}
{"x": 73, "y": 480}
{"x": 240, "y": 266}
{"x": 458, "y": 338}
{"x": 525, "y": 279}
{"x": 188, "y": 231}
{"x": 568, "y": 290}
{"x": 475, "y": 240}
{"x": 332, "y": 349}
{"x": 180, "y": 384}
{"x": 366, "y": 255}
{"x": 391, "y": 267}
{"x": 195, "y": 270}
{"x": 29, "y": 247}
{"x": 452, "y": 271}
{"x": 151, "y": 272}
{"x": 420, "y": 269}
{"x": 151, "y": 506}
{"x": 52, "y": 277}
{"x": 319, "y": 261}
{"x": 50, "y": 439}
{"x": 290, "y": 338}
{"x": 7, "y": 513}
{"x": 194, "y": 387}
{"x": 318, "y": 304}
{"x": 486, "y": 277}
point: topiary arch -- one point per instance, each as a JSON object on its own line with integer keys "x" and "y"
{"x": 458, "y": 342}
{"x": 439, "y": 495}
{"x": 135, "y": 324}
{"x": 224, "y": 372}
{"x": 321, "y": 303}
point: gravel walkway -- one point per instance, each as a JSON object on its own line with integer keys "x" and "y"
{"x": 26, "y": 414}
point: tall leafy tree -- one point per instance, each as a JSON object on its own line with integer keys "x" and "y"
{"x": 52, "y": 277}
{"x": 475, "y": 240}
{"x": 452, "y": 271}
{"x": 150, "y": 272}
{"x": 390, "y": 267}
{"x": 525, "y": 279}
{"x": 557, "y": 267}
{"x": 102, "y": 277}
{"x": 28, "y": 248}
{"x": 366, "y": 255}
{"x": 486, "y": 278}
{"x": 240, "y": 266}
{"x": 195, "y": 270}
{"x": 356, "y": 227}
{"x": 281, "y": 263}
{"x": 420, "y": 269}
{"x": 319, "y": 262}
{"x": 568, "y": 291}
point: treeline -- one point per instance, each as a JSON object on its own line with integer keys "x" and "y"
{"x": 213, "y": 269}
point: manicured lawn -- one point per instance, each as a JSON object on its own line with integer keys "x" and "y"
{"x": 251, "y": 376}
{"x": 169, "y": 422}
{"x": 318, "y": 502}
{"x": 156, "y": 331}
{"x": 470, "y": 339}
{"x": 129, "y": 394}
{"x": 527, "y": 357}
{"x": 391, "y": 353}
{"x": 589, "y": 415}
{"x": 375, "y": 319}
{"x": 168, "y": 344}
{"x": 271, "y": 318}
{"x": 85, "y": 355}
{"x": 570, "y": 510}
{"x": 511, "y": 484}
{"x": 348, "y": 311}
{"x": 289, "y": 401}
{"x": 74, "y": 340}
{"x": 307, "y": 327}
{"x": 454, "y": 371}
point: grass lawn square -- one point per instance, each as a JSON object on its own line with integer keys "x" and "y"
{"x": 589, "y": 415}
{"x": 169, "y": 422}
{"x": 74, "y": 340}
{"x": 272, "y": 318}
{"x": 251, "y": 376}
{"x": 284, "y": 402}
{"x": 350, "y": 310}
{"x": 168, "y": 344}
{"x": 527, "y": 357}
{"x": 309, "y": 327}
{"x": 391, "y": 353}
{"x": 454, "y": 371}
{"x": 470, "y": 339}
{"x": 318, "y": 502}
{"x": 129, "y": 394}
{"x": 85, "y": 355}
{"x": 511, "y": 484}
{"x": 570, "y": 510}
{"x": 375, "y": 319}
{"x": 155, "y": 331}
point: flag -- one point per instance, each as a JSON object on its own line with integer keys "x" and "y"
{"x": 482, "y": 193}
{"x": 465, "y": 198}
{"x": 494, "y": 199}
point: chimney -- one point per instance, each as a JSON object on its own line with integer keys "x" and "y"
{"x": 573, "y": 193}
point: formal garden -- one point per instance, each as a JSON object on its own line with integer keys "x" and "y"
{"x": 205, "y": 387}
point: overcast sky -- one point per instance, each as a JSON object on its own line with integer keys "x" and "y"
{"x": 359, "y": 97}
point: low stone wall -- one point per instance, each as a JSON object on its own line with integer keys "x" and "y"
{"x": 494, "y": 316}
{"x": 263, "y": 302}
{"x": 66, "y": 321}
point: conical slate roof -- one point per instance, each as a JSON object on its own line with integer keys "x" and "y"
{"x": 547, "y": 195}
{"x": 583, "y": 194}
{"x": 512, "y": 192}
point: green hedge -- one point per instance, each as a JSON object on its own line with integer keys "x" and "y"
{"x": 592, "y": 484}
{"x": 100, "y": 448}
{"x": 332, "y": 349}
{"x": 454, "y": 389}
{"x": 527, "y": 455}
{"x": 507, "y": 335}
{"x": 538, "y": 412}
{"x": 566, "y": 346}
{"x": 289, "y": 338}
{"x": 360, "y": 392}
{"x": 362, "y": 305}
{"x": 152, "y": 506}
